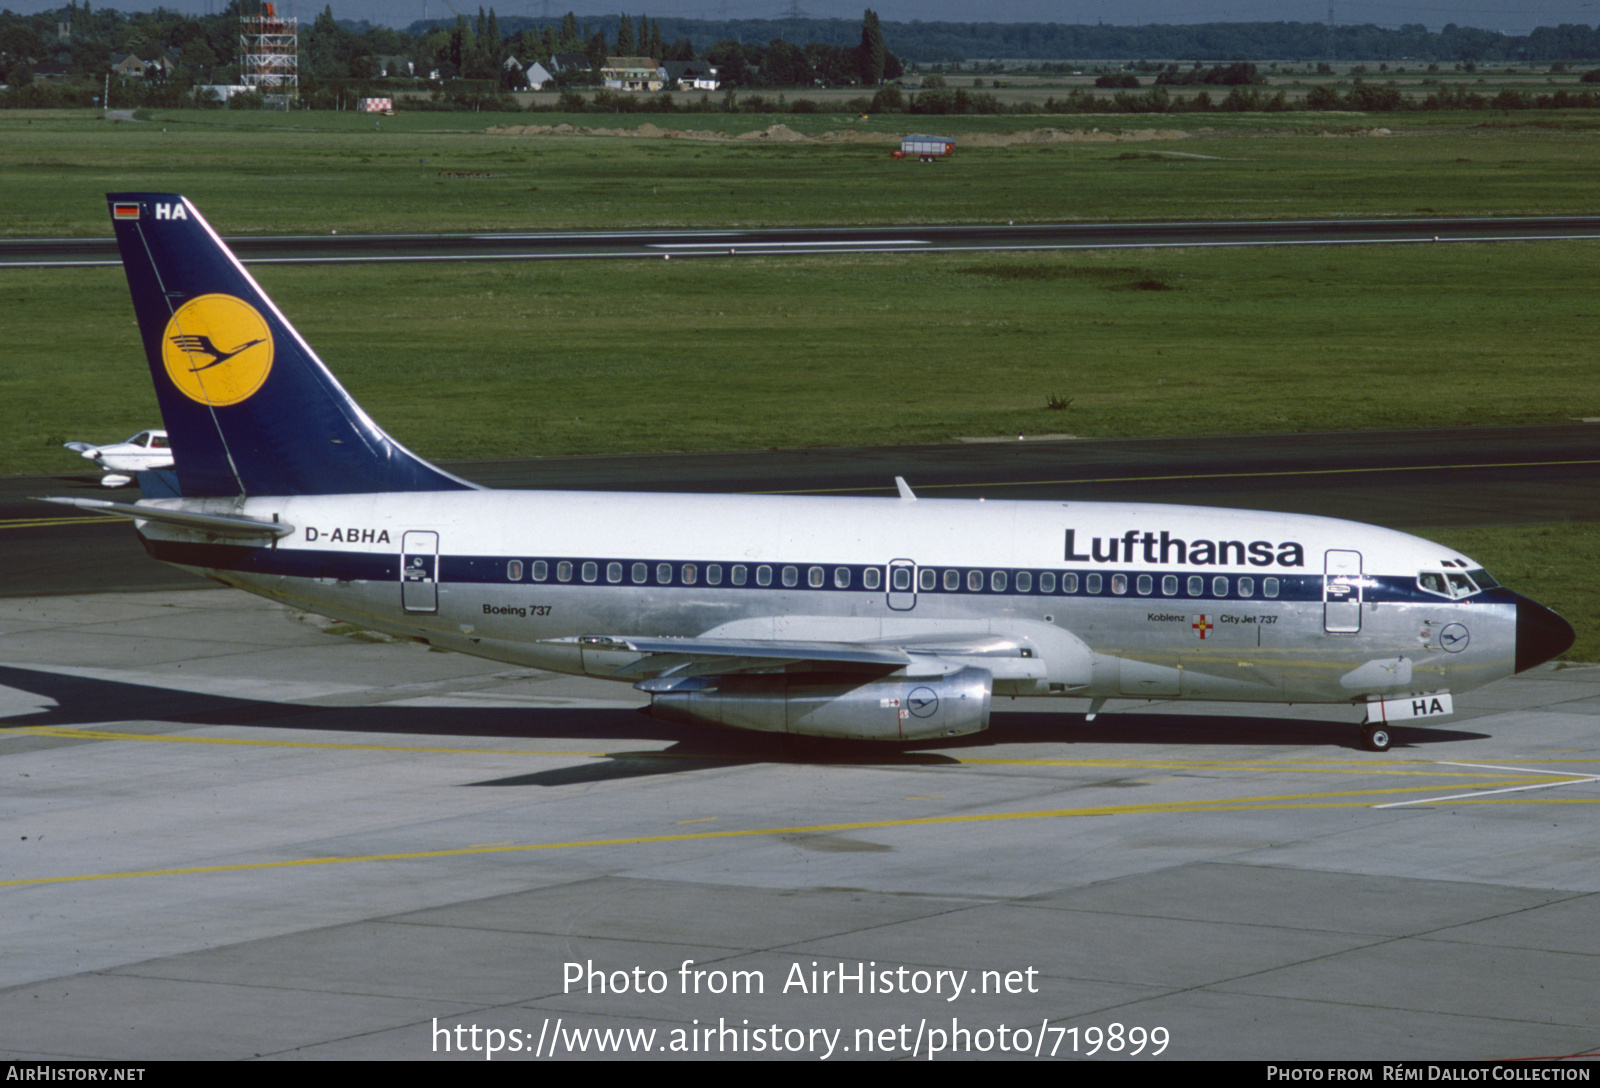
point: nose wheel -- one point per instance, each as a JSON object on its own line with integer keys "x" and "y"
{"x": 1375, "y": 738}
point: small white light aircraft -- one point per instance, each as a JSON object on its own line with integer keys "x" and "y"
{"x": 875, "y": 619}
{"x": 122, "y": 460}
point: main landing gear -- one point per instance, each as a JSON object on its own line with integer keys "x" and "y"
{"x": 1375, "y": 738}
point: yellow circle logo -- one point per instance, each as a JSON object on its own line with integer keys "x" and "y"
{"x": 218, "y": 350}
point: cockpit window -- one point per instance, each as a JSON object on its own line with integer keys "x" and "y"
{"x": 1451, "y": 583}
{"x": 1483, "y": 579}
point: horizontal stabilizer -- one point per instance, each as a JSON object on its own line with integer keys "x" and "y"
{"x": 230, "y": 525}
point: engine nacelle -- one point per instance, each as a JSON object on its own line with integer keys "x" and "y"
{"x": 891, "y": 708}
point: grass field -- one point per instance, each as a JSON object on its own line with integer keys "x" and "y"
{"x": 291, "y": 173}
{"x": 477, "y": 360}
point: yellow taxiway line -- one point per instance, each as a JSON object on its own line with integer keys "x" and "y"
{"x": 1492, "y": 790}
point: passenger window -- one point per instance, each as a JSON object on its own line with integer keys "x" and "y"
{"x": 1197, "y": 585}
{"x": 815, "y": 577}
{"x": 1091, "y": 584}
{"x": 641, "y": 573}
{"x": 763, "y": 575}
{"x": 564, "y": 571}
{"x": 514, "y": 571}
{"x": 1146, "y": 585}
{"x": 1219, "y": 586}
{"x": 1047, "y": 582}
{"x": 1169, "y": 585}
{"x": 689, "y": 574}
{"x": 1119, "y": 583}
{"x": 1069, "y": 583}
{"x": 1269, "y": 587}
{"x": 1247, "y": 586}
{"x": 872, "y": 577}
{"x": 664, "y": 573}
{"x": 928, "y": 579}
{"x": 591, "y": 570}
{"x": 841, "y": 577}
{"x": 791, "y": 577}
{"x": 740, "y": 574}
{"x": 997, "y": 581}
{"x": 952, "y": 580}
{"x": 1024, "y": 581}
{"x": 541, "y": 570}
{"x": 613, "y": 573}
{"x": 900, "y": 579}
{"x": 713, "y": 574}
{"x": 975, "y": 580}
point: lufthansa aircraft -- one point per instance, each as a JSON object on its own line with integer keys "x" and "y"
{"x": 876, "y": 619}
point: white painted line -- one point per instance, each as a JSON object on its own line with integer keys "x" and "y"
{"x": 1568, "y": 778}
{"x": 1518, "y": 770}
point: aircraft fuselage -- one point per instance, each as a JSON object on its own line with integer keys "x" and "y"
{"x": 1090, "y": 599}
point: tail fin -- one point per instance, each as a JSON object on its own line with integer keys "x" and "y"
{"x": 249, "y": 407}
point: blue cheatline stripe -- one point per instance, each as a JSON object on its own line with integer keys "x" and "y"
{"x": 493, "y": 570}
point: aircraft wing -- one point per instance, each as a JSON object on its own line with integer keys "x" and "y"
{"x": 668, "y": 662}
{"x": 888, "y": 690}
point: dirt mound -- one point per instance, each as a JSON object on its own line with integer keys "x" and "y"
{"x": 783, "y": 134}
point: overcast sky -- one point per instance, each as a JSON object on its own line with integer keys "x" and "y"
{"x": 1511, "y": 16}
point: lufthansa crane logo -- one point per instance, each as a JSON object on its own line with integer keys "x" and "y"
{"x": 217, "y": 349}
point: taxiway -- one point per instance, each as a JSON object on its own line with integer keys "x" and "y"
{"x": 233, "y": 833}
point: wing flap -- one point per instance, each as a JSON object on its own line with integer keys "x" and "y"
{"x": 685, "y": 657}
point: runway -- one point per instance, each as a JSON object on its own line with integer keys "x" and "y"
{"x": 656, "y": 244}
{"x": 232, "y": 831}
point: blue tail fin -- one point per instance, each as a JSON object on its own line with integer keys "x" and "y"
{"x": 249, "y": 407}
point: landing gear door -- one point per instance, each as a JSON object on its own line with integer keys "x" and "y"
{"x": 419, "y": 571}
{"x": 902, "y": 585}
{"x": 1341, "y": 592}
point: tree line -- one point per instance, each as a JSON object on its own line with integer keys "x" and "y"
{"x": 465, "y": 59}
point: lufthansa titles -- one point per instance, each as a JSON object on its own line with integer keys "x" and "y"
{"x": 1135, "y": 546}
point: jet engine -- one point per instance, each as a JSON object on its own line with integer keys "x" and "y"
{"x": 841, "y": 706}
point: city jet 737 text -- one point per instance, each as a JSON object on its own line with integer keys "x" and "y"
{"x": 894, "y": 619}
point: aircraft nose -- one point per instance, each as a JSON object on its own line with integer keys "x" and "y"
{"x": 1541, "y": 634}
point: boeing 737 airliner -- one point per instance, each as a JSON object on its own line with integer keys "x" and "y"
{"x": 876, "y": 619}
